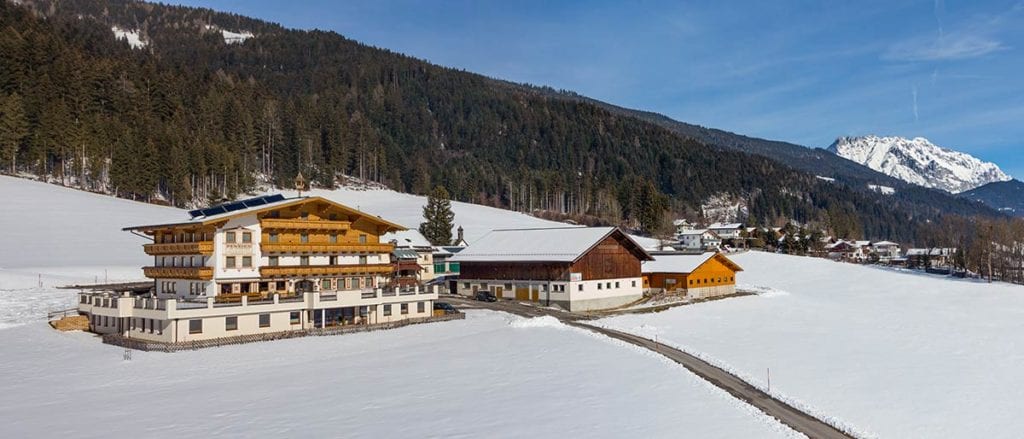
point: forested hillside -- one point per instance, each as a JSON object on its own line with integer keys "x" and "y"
{"x": 187, "y": 116}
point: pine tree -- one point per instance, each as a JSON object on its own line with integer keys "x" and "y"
{"x": 13, "y": 128}
{"x": 439, "y": 218}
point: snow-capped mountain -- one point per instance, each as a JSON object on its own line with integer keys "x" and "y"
{"x": 919, "y": 161}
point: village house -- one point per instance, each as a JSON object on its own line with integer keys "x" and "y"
{"x": 699, "y": 240}
{"x": 727, "y": 231}
{"x": 848, "y": 251}
{"x": 413, "y": 257}
{"x": 700, "y": 276}
{"x": 930, "y": 257}
{"x": 577, "y": 268}
{"x": 886, "y": 251}
{"x": 261, "y": 266}
{"x": 682, "y": 225}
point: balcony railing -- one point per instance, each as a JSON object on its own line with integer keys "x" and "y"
{"x": 325, "y": 248}
{"x": 199, "y": 273}
{"x": 179, "y": 248}
{"x": 301, "y": 224}
{"x": 324, "y": 270}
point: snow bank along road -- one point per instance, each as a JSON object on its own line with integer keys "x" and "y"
{"x": 785, "y": 413}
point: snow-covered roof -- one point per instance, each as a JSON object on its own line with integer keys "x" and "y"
{"x": 693, "y": 232}
{"x": 722, "y": 226}
{"x": 884, "y": 243}
{"x": 683, "y": 263}
{"x": 554, "y": 244}
{"x": 679, "y": 222}
{"x": 932, "y": 251}
{"x": 244, "y": 207}
{"x": 406, "y": 238}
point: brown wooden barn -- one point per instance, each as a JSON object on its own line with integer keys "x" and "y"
{"x": 577, "y": 268}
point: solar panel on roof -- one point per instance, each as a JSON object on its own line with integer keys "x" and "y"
{"x": 236, "y": 205}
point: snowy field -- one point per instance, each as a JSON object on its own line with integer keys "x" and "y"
{"x": 890, "y": 354}
{"x": 491, "y": 375}
{"x": 58, "y": 236}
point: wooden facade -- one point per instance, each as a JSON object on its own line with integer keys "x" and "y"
{"x": 716, "y": 271}
{"x": 616, "y": 256}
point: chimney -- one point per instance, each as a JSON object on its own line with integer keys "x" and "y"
{"x": 459, "y": 240}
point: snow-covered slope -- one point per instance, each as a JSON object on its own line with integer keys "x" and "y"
{"x": 918, "y": 161}
{"x": 893, "y": 354}
{"x": 133, "y": 37}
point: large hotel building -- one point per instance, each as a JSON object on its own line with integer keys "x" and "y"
{"x": 258, "y": 266}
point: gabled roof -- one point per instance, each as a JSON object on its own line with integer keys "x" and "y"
{"x": 277, "y": 204}
{"x": 406, "y": 238}
{"x": 884, "y": 243}
{"x": 554, "y": 244}
{"x": 684, "y": 263}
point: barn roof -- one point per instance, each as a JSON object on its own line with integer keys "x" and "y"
{"x": 553, "y": 244}
{"x": 684, "y": 263}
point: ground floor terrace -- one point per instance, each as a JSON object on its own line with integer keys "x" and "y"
{"x": 184, "y": 320}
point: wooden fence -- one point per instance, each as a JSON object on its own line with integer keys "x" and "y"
{"x": 145, "y": 345}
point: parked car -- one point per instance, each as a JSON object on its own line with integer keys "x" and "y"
{"x": 445, "y": 306}
{"x": 486, "y": 296}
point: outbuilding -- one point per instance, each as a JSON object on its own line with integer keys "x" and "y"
{"x": 700, "y": 276}
{"x": 577, "y": 268}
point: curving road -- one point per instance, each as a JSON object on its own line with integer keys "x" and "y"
{"x": 785, "y": 413}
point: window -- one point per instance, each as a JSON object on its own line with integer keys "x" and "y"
{"x": 229, "y": 262}
{"x": 362, "y": 239}
{"x": 387, "y": 310}
{"x": 272, "y": 261}
{"x": 598, "y": 285}
{"x": 332, "y": 216}
{"x": 273, "y": 238}
{"x": 616, "y": 284}
{"x": 230, "y": 323}
{"x": 608, "y": 285}
{"x": 325, "y": 284}
{"x": 634, "y": 283}
{"x": 264, "y": 320}
{"x": 405, "y": 308}
{"x": 304, "y": 238}
{"x": 465, "y": 285}
{"x": 508, "y": 286}
{"x": 362, "y": 260}
{"x": 275, "y": 214}
{"x": 280, "y": 286}
{"x": 293, "y": 318}
{"x": 580, "y": 287}
{"x": 305, "y": 215}
{"x": 246, "y": 237}
{"x": 229, "y": 237}
{"x": 691, "y": 281}
{"x": 334, "y": 238}
{"x": 191, "y": 288}
{"x": 303, "y": 260}
{"x": 421, "y": 307}
{"x": 195, "y": 326}
{"x": 247, "y": 261}
{"x": 332, "y": 260}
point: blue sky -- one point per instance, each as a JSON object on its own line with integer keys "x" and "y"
{"x": 802, "y": 71}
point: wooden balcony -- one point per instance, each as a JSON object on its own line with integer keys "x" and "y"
{"x": 301, "y": 224}
{"x": 324, "y": 270}
{"x": 179, "y": 248}
{"x": 325, "y": 248}
{"x": 198, "y": 273}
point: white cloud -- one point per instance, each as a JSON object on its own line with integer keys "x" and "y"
{"x": 945, "y": 47}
